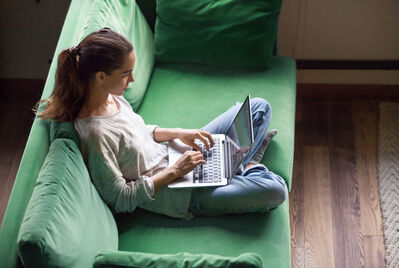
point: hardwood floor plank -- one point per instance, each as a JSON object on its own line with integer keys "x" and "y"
{"x": 16, "y": 118}
{"x": 366, "y": 139}
{"x": 9, "y": 171}
{"x": 374, "y": 246}
{"x": 348, "y": 244}
{"x": 297, "y": 258}
{"x": 4, "y": 171}
{"x": 7, "y": 185}
{"x": 9, "y": 130}
{"x": 315, "y": 124}
{"x": 317, "y": 208}
{"x": 296, "y": 196}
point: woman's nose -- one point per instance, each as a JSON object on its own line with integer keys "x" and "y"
{"x": 131, "y": 77}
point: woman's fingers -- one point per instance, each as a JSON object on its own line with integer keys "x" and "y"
{"x": 209, "y": 136}
{"x": 197, "y": 157}
{"x": 196, "y": 147}
{"x": 201, "y": 135}
{"x": 206, "y": 138}
{"x": 193, "y": 154}
{"x": 205, "y": 142}
{"x": 199, "y": 162}
{"x": 194, "y": 159}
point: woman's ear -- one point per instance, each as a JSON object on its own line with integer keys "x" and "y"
{"x": 100, "y": 77}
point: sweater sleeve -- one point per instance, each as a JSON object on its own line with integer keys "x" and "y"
{"x": 114, "y": 189}
{"x": 150, "y": 129}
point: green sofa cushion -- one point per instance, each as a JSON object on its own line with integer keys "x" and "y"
{"x": 230, "y": 33}
{"x": 191, "y": 95}
{"x": 179, "y": 260}
{"x": 66, "y": 222}
{"x": 220, "y": 88}
{"x": 267, "y": 234}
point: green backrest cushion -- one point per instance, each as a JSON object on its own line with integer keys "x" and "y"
{"x": 127, "y": 19}
{"x": 124, "y": 17}
{"x": 230, "y": 33}
{"x": 66, "y": 223}
{"x": 179, "y": 260}
{"x": 143, "y": 41}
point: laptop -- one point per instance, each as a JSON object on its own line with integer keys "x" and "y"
{"x": 223, "y": 159}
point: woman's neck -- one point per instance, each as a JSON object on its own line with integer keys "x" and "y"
{"x": 99, "y": 103}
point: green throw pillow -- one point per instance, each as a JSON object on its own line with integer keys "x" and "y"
{"x": 230, "y": 33}
{"x": 64, "y": 130}
{"x": 136, "y": 259}
{"x": 66, "y": 223}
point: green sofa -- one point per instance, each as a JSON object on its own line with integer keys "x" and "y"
{"x": 169, "y": 95}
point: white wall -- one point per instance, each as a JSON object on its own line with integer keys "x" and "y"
{"x": 28, "y": 36}
{"x": 341, "y": 30}
{"x": 309, "y": 29}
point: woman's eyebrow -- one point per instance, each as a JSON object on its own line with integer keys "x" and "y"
{"x": 128, "y": 71}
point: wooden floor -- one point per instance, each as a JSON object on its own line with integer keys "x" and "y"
{"x": 16, "y": 118}
{"x": 334, "y": 204}
{"x": 335, "y": 214}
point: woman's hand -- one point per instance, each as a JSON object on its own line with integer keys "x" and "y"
{"x": 188, "y": 137}
{"x": 187, "y": 162}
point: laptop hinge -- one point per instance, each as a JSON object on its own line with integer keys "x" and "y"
{"x": 227, "y": 167}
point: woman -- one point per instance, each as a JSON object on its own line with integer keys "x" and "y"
{"x": 127, "y": 161}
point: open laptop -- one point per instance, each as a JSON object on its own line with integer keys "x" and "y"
{"x": 223, "y": 159}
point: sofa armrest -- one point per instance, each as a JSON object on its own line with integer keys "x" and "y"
{"x": 183, "y": 259}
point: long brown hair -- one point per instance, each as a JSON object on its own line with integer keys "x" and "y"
{"x": 103, "y": 50}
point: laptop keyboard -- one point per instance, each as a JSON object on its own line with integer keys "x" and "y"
{"x": 210, "y": 171}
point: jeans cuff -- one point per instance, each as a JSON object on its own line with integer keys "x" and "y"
{"x": 258, "y": 166}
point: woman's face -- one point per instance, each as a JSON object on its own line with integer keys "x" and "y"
{"x": 118, "y": 81}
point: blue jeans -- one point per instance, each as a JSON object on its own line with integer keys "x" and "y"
{"x": 254, "y": 190}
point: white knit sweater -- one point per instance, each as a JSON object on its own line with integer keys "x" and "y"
{"x": 121, "y": 155}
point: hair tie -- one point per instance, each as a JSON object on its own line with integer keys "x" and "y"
{"x": 74, "y": 51}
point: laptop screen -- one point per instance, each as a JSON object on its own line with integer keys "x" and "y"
{"x": 241, "y": 133}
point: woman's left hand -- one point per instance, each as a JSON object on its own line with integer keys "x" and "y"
{"x": 188, "y": 136}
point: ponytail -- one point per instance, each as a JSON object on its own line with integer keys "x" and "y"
{"x": 103, "y": 50}
{"x": 69, "y": 92}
